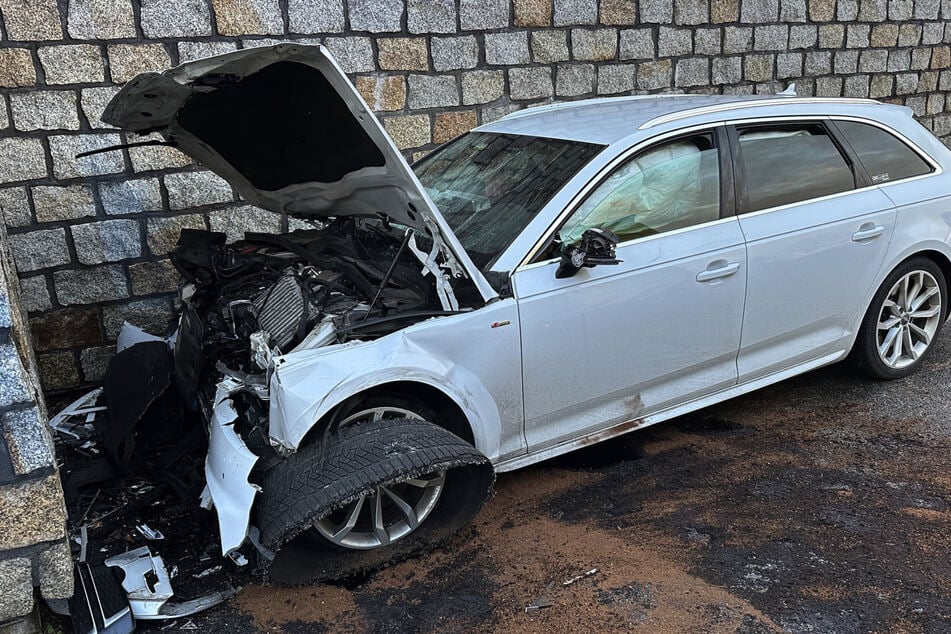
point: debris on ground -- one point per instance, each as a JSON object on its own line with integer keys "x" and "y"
{"x": 578, "y": 578}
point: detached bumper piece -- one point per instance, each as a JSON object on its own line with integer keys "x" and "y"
{"x": 99, "y": 604}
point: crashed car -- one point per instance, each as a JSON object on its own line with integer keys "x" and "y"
{"x": 550, "y": 280}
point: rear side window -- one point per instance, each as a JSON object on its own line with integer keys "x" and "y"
{"x": 786, "y": 164}
{"x": 885, "y": 157}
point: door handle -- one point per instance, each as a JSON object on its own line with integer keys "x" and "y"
{"x": 721, "y": 269}
{"x": 867, "y": 231}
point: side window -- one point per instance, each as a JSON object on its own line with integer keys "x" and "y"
{"x": 672, "y": 185}
{"x": 788, "y": 163}
{"x": 885, "y": 158}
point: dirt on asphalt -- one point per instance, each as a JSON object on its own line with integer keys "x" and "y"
{"x": 817, "y": 505}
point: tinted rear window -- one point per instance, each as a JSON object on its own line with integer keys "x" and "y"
{"x": 791, "y": 163}
{"x": 885, "y": 157}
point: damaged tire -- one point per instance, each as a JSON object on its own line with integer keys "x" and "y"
{"x": 375, "y": 492}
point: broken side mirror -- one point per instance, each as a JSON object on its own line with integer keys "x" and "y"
{"x": 597, "y": 246}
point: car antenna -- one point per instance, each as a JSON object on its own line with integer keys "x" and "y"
{"x": 386, "y": 277}
{"x": 789, "y": 92}
{"x": 122, "y": 146}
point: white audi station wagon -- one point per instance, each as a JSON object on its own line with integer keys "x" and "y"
{"x": 558, "y": 277}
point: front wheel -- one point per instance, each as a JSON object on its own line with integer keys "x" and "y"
{"x": 903, "y": 320}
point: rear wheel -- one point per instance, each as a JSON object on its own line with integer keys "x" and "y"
{"x": 383, "y": 487}
{"x": 903, "y": 321}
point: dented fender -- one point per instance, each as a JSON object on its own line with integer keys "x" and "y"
{"x": 469, "y": 357}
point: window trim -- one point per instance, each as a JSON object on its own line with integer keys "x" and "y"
{"x": 738, "y": 175}
{"x": 716, "y": 129}
{"x": 739, "y": 168}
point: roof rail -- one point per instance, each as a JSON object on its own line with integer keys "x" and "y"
{"x": 734, "y": 105}
{"x": 565, "y": 105}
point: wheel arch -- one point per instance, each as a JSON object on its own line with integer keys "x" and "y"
{"x": 943, "y": 262}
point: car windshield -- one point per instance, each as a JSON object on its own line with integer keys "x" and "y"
{"x": 489, "y": 186}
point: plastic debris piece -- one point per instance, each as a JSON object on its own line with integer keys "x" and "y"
{"x": 149, "y": 533}
{"x": 584, "y": 575}
{"x": 206, "y": 572}
{"x": 540, "y": 603}
{"x": 238, "y": 558}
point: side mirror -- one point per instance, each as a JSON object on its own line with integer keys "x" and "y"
{"x": 597, "y": 246}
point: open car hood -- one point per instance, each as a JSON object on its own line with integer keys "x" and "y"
{"x": 288, "y": 130}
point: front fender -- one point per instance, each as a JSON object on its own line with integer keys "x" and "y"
{"x": 307, "y": 385}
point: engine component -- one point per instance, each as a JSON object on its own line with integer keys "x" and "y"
{"x": 283, "y": 311}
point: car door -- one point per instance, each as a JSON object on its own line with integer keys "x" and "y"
{"x": 616, "y": 342}
{"x": 816, "y": 233}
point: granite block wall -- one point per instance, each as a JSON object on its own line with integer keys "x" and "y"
{"x": 90, "y": 236}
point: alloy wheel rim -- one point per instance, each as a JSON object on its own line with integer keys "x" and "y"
{"x": 388, "y": 512}
{"x": 908, "y": 319}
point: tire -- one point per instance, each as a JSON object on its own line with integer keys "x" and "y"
{"x": 895, "y": 337}
{"x": 355, "y": 465}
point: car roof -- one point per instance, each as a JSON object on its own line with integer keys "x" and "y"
{"x": 609, "y": 120}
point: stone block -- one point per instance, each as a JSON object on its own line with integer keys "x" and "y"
{"x": 774, "y": 37}
{"x": 818, "y": 63}
{"x": 54, "y": 203}
{"x": 95, "y": 361}
{"x": 708, "y": 42}
{"x": 21, "y": 158}
{"x": 927, "y": 9}
{"x": 788, "y": 65}
{"x": 570, "y": 12}
{"x": 507, "y": 48}
{"x": 16, "y": 580}
{"x": 39, "y": 249}
{"x": 31, "y": 512}
{"x": 674, "y": 42}
{"x": 28, "y": 440}
{"x": 151, "y": 315}
{"x": 449, "y": 125}
{"x": 128, "y": 60}
{"x": 845, "y": 62}
{"x": 900, "y": 9}
{"x": 737, "y": 39}
{"x": 482, "y": 86}
{"x": 153, "y": 277}
{"x": 802, "y": 36}
{"x": 654, "y": 75}
{"x": 614, "y": 79}
{"x": 431, "y": 16}
{"x": 691, "y": 12}
{"x": 884, "y": 35}
{"x": 26, "y": 20}
{"x": 248, "y": 17}
{"x": 856, "y": 86}
{"x": 572, "y": 80}
{"x": 594, "y": 45}
{"x": 909, "y": 34}
{"x": 906, "y": 83}
{"x": 821, "y": 10}
{"x": 188, "y": 51}
{"x": 383, "y": 93}
{"x": 549, "y": 46}
{"x": 130, "y": 196}
{"x": 847, "y": 10}
{"x": 932, "y": 33}
{"x": 759, "y": 11}
{"x": 723, "y": 11}
{"x": 427, "y": 91}
{"x": 15, "y": 207}
{"x": 107, "y": 241}
{"x": 55, "y": 567}
{"x": 354, "y": 54}
{"x": 492, "y": 114}
{"x": 408, "y": 131}
{"x": 758, "y": 67}
{"x": 57, "y": 370}
{"x": 899, "y": 60}
{"x": 858, "y": 36}
{"x": 90, "y": 285}
{"x": 530, "y": 83}
{"x": 16, "y": 68}
{"x": 935, "y": 104}
{"x": 65, "y": 148}
{"x": 375, "y": 16}
{"x": 44, "y": 110}
{"x": 920, "y": 58}
{"x": 873, "y": 10}
{"x": 727, "y": 70}
{"x": 100, "y": 19}
{"x": 34, "y": 293}
{"x": 454, "y": 53}
{"x": 792, "y": 11}
{"x": 831, "y": 35}
{"x": 828, "y": 86}
{"x": 194, "y": 189}
{"x": 636, "y": 44}
{"x": 315, "y": 16}
{"x": 694, "y": 71}
{"x": 403, "y": 53}
{"x": 940, "y": 57}
{"x": 532, "y": 12}
{"x": 873, "y": 61}
{"x": 235, "y": 221}
{"x": 928, "y": 82}
{"x": 162, "y": 233}
{"x": 657, "y": 11}
{"x": 13, "y": 381}
{"x": 881, "y": 86}
{"x": 72, "y": 64}
{"x": 175, "y": 18}
{"x": 482, "y": 15}
{"x": 93, "y": 102}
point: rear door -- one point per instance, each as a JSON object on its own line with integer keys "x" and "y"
{"x": 816, "y": 231}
